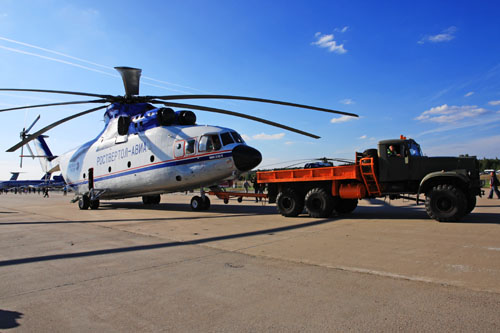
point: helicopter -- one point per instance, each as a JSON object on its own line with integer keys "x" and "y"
{"x": 145, "y": 150}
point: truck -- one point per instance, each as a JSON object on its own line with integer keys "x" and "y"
{"x": 397, "y": 169}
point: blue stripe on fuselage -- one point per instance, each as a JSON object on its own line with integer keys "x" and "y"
{"x": 195, "y": 159}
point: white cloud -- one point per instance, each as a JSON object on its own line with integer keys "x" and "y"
{"x": 363, "y": 137}
{"x": 246, "y": 137}
{"x": 470, "y": 93}
{"x": 264, "y": 136}
{"x": 347, "y": 101}
{"x": 450, "y": 114}
{"x": 445, "y": 36}
{"x": 341, "y": 30}
{"x": 342, "y": 119}
{"x": 289, "y": 143}
{"x": 494, "y": 102}
{"x": 328, "y": 42}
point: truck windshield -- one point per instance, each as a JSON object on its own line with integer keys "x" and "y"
{"x": 415, "y": 149}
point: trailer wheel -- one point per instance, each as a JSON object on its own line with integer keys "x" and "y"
{"x": 226, "y": 201}
{"x": 289, "y": 203}
{"x": 446, "y": 203}
{"x": 346, "y": 206}
{"x": 471, "y": 203}
{"x": 319, "y": 203}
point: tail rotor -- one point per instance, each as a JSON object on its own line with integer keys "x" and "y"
{"x": 23, "y": 135}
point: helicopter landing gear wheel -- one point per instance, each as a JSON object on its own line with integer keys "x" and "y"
{"x": 94, "y": 204}
{"x": 206, "y": 203}
{"x": 196, "y": 203}
{"x": 84, "y": 202}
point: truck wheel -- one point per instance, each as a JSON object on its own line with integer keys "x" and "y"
{"x": 471, "y": 203}
{"x": 289, "y": 203}
{"x": 319, "y": 203}
{"x": 346, "y": 206}
{"x": 446, "y": 203}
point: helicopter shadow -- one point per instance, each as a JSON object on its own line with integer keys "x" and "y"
{"x": 270, "y": 231}
{"x": 236, "y": 209}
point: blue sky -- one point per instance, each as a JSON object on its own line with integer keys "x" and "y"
{"x": 429, "y": 69}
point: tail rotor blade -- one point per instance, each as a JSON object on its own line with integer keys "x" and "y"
{"x": 31, "y": 126}
{"x": 31, "y": 151}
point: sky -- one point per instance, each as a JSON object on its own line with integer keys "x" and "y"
{"x": 429, "y": 70}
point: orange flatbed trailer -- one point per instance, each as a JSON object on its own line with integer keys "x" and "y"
{"x": 321, "y": 189}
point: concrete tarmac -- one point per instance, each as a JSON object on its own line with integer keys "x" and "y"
{"x": 242, "y": 267}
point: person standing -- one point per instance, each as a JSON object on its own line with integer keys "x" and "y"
{"x": 493, "y": 186}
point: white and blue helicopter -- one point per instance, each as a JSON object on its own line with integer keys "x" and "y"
{"x": 146, "y": 151}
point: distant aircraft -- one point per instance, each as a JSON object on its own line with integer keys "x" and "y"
{"x": 45, "y": 181}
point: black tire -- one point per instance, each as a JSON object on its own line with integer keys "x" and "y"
{"x": 226, "y": 201}
{"x": 346, "y": 206}
{"x": 319, "y": 203}
{"x": 370, "y": 153}
{"x": 84, "y": 202}
{"x": 240, "y": 199}
{"x": 289, "y": 203}
{"x": 94, "y": 204}
{"x": 471, "y": 203}
{"x": 445, "y": 203}
{"x": 146, "y": 199}
{"x": 206, "y": 203}
{"x": 151, "y": 199}
{"x": 196, "y": 203}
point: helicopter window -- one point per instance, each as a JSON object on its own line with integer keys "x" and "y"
{"x": 190, "y": 146}
{"x": 226, "y": 138}
{"x": 210, "y": 142}
{"x": 237, "y": 137}
{"x": 179, "y": 148}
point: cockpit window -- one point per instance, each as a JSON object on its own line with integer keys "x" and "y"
{"x": 226, "y": 138}
{"x": 237, "y": 137}
{"x": 210, "y": 142}
{"x": 415, "y": 149}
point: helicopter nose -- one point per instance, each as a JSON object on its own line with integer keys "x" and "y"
{"x": 246, "y": 158}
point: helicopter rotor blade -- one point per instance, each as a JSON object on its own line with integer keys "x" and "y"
{"x": 31, "y": 126}
{"x": 21, "y": 160}
{"x": 236, "y": 114}
{"x": 253, "y": 99}
{"x": 63, "y": 92}
{"x": 131, "y": 77}
{"x": 53, "y": 104}
{"x": 49, "y": 127}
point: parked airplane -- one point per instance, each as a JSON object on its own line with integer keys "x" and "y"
{"x": 145, "y": 150}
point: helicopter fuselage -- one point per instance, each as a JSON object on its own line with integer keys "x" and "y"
{"x": 152, "y": 159}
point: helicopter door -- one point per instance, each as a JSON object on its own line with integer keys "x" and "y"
{"x": 91, "y": 178}
{"x": 179, "y": 149}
